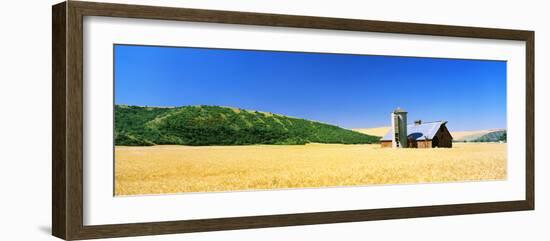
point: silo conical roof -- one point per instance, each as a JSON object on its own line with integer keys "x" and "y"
{"x": 399, "y": 110}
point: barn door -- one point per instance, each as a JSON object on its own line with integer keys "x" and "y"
{"x": 435, "y": 142}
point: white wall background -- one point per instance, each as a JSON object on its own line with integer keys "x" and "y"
{"x": 25, "y": 119}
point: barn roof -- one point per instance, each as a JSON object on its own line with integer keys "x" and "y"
{"x": 423, "y": 131}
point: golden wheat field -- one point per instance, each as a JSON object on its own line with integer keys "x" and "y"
{"x": 176, "y": 169}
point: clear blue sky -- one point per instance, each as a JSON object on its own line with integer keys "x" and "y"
{"x": 351, "y": 91}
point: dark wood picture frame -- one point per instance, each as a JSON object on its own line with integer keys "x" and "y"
{"x": 67, "y": 124}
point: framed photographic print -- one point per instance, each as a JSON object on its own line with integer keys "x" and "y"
{"x": 171, "y": 120}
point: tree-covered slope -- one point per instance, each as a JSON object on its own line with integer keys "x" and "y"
{"x": 215, "y": 125}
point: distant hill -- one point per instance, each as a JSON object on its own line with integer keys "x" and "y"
{"x": 492, "y": 135}
{"x": 468, "y": 135}
{"x": 376, "y": 131}
{"x": 215, "y": 125}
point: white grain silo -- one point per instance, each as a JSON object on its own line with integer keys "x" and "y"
{"x": 399, "y": 128}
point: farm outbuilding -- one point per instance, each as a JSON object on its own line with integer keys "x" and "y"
{"x": 417, "y": 135}
{"x": 423, "y": 135}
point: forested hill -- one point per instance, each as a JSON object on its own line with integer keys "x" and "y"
{"x": 215, "y": 125}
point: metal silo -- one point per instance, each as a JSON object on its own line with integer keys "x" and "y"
{"x": 399, "y": 128}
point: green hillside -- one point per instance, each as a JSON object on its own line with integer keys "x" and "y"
{"x": 215, "y": 125}
{"x": 492, "y": 137}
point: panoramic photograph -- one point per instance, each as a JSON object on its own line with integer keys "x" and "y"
{"x": 191, "y": 120}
